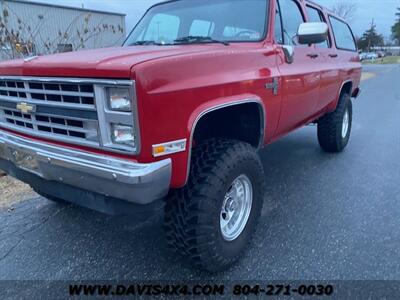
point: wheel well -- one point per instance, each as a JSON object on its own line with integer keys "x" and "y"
{"x": 244, "y": 122}
{"x": 347, "y": 88}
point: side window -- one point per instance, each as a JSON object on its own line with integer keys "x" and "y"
{"x": 314, "y": 15}
{"x": 291, "y": 20}
{"x": 202, "y": 28}
{"x": 343, "y": 36}
{"x": 162, "y": 27}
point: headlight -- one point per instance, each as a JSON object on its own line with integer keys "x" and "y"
{"x": 119, "y": 99}
{"x": 116, "y": 105}
{"x": 123, "y": 134}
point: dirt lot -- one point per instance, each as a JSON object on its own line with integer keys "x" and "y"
{"x": 11, "y": 189}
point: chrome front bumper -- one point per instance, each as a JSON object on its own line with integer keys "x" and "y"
{"x": 112, "y": 177}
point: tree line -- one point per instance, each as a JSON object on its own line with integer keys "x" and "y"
{"x": 370, "y": 38}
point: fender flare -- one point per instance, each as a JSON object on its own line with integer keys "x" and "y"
{"x": 263, "y": 118}
{"x": 341, "y": 89}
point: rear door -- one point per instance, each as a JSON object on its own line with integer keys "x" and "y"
{"x": 300, "y": 78}
{"x": 327, "y": 60}
{"x": 346, "y": 49}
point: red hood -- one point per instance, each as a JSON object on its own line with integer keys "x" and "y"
{"x": 105, "y": 63}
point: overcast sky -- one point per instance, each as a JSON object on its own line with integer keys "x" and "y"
{"x": 382, "y": 11}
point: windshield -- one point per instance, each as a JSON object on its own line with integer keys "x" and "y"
{"x": 201, "y": 21}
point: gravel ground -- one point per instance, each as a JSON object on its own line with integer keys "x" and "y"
{"x": 367, "y": 75}
{"x": 12, "y": 191}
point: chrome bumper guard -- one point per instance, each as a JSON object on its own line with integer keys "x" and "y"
{"x": 117, "y": 178}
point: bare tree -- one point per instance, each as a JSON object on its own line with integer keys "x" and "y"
{"x": 21, "y": 40}
{"x": 346, "y": 10}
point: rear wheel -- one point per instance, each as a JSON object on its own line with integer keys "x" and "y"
{"x": 334, "y": 129}
{"x": 212, "y": 219}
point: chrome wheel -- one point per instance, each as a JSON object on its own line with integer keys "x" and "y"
{"x": 345, "y": 124}
{"x": 236, "y": 208}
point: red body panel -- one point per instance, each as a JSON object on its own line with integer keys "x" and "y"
{"x": 175, "y": 84}
{"x": 99, "y": 63}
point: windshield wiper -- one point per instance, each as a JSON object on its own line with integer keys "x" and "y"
{"x": 198, "y": 39}
{"x": 140, "y": 43}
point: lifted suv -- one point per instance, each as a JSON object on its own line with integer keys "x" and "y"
{"x": 179, "y": 112}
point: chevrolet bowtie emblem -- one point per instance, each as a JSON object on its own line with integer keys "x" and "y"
{"x": 26, "y": 108}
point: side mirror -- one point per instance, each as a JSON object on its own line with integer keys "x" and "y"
{"x": 312, "y": 33}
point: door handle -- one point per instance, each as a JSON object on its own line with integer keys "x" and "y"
{"x": 333, "y": 55}
{"x": 312, "y": 55}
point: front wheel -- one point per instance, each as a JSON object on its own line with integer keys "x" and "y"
{"x": 212, "y": 219}
{"x": 334, "y": 129}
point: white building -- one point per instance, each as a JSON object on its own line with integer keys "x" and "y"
{"x": 394, "y": 50}
{"x": 31, "y": 28}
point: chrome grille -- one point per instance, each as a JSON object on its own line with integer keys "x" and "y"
{"x": 79, "y": 94}
{"x": 71, "y": 110}
{"x": 46, "y": 124}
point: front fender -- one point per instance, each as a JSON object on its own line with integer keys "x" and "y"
{"x": 174, "y": 93}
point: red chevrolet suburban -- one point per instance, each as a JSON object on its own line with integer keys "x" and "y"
{"x": 178, "y": 113}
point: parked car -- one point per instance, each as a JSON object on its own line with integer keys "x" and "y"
{"x": 178, "y": 113}
{"x": 371, "y": 56}
{"x": 380, "y": 54}
{"x": 363, "y": 56}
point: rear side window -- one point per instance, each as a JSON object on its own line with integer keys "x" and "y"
{"x": 292, "y": 17}
{"x": 343, "y": 36}
{"x": 315, "y": 15}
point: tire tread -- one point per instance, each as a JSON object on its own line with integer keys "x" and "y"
{"x": 185, "y": 213}
{"x": 330, "y": 125}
